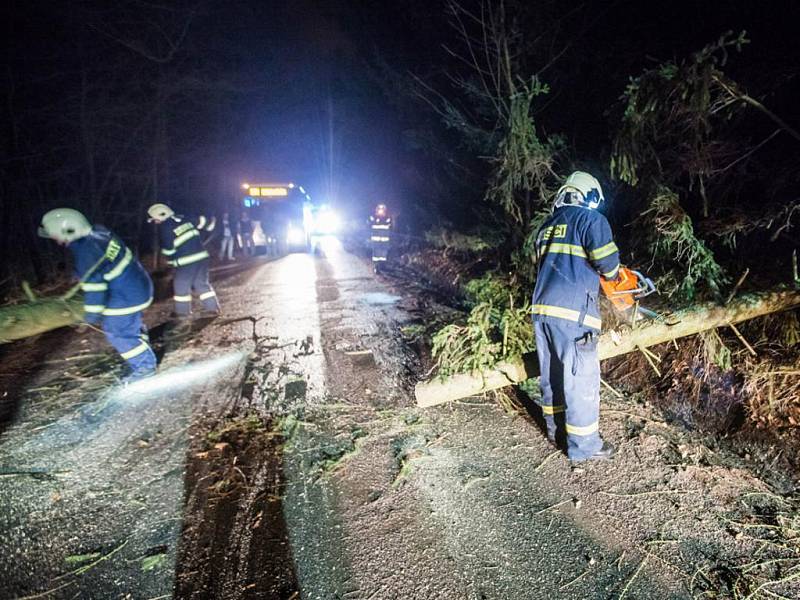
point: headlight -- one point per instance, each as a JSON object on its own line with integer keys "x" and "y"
{"x": 327, "y": 222}
{"x": 295, "y": 236}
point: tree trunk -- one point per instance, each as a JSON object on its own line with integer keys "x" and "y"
{"x": 613, "y": 343}
{"x": 19, "y": 321}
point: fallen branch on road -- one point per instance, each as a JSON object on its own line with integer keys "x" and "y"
{"x": 612, "y": 343}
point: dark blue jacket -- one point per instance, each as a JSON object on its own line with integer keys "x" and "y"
{"x": 574, "y": 246}
{"x": 117, "y": 284}
{"x": 180, "y": 240}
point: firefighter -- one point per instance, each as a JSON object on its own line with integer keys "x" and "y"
{"x": 380, "y": 235}
{"x": 181, "y": 244}
{"x": 115, "y": 285}
{"x": 575, "y": 248}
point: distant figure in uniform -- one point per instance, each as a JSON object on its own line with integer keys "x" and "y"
{"x": 246, "y": 229}
{"x": 116, "y": 287}
{"x": 226, "y": 246}
{"x": 575, "y": 248}
{"x": 380, "y": 235}
{"x": 180, "y": 243}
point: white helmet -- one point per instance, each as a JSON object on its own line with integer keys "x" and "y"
{"x": 64, "y": 225}
{"x": 580, "y": 189}
{"x": 159, "y": 212}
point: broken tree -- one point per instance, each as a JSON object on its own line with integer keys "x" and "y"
{"x": 18, "y": 321}
{"x": 612, "y": 343}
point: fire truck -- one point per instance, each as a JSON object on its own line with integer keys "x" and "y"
{"x": 281, "y": 216}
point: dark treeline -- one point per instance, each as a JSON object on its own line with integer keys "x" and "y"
{"x": 455, "y": 113}
{"x": 686, "y": 112}
{"x": 111, "y": 106}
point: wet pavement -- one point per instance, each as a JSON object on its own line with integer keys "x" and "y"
{"x": 283, "y": 439}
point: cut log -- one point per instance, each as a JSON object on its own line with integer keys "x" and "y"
{"x": 613, "y": 343}
{"x": 18, "y": 321}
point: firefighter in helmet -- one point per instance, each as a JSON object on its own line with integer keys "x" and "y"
{"x": 380, "y": 235}
{"x": 183, "y": 247}
{"x": 116, "y": 287}
{"x": 575, "y": 247}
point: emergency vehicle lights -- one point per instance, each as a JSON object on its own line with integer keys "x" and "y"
{"x": 295, "y": 236}
{"x": 326, "y": 221}
{"x": 268, "y": 191}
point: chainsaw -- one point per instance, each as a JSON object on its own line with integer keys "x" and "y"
{"x": 626, "y": 290}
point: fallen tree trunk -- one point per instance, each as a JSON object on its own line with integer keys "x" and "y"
{"x": 18, "y": 321}
{"x": 613, "y": 343}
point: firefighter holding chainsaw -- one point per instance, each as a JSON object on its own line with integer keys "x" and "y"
{"x": 575, "y": 248}
{"x": 182, "y": 245}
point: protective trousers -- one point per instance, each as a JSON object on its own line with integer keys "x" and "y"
{"x": 570, "y": 382}
{"x": 128, "y": 335}
{"x": 193, "y": 278}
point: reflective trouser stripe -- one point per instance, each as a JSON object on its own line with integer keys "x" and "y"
{"x": 136, "y": 351}
{"x": 380, "y": 238}
{"x": 118, "y": 312}
{"x": 565, "y": 313}
{"x": 94, "y": 287}
{"x": 182, "y": 298}
{"x": 378, "y": 258}
{"x": 191, "y": 258}
{"x": 585, "y": 430}
{"x": 551, "y": 410}
{"x": 207, "y": 295}
{"x": 120, "y": 266}
{"x": 94, "y": 308}
{"x": 603, "y": 251}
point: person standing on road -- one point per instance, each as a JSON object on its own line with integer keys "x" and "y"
{"x": 115, "y": 285}
{"x": 575, "y": 247}
{"x": 180, "y": 243}
{"x": 246, "y": 229}
{"x": 227, "y": 238}
{"x": 380, "y": 225}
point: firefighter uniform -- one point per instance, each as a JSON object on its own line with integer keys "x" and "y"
{"x": 116, "y": 291}
{"x": 183, "y": 247}
{"x": 574, "y": 246}
{"x": 380, "y": 235}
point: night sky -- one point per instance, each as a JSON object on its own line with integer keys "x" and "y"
{"x": 109, "y": 105}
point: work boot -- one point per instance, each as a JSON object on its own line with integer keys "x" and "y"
{"x": 137, "y": 375}
{"x": 606, "y": 452}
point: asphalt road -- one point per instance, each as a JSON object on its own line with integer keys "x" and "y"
{"x": 382, "y": 500}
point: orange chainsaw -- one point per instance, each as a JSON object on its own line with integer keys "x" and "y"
{"x": 627, "y": 289}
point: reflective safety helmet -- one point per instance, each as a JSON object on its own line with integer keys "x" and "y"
{"x": 159, "y": 212}
{"x": 64, "y": 225}
{"x": 580, "y": 189}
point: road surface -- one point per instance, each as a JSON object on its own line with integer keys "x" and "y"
{"x": 278, "y": 454}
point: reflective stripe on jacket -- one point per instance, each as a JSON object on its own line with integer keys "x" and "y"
{"x": 118, "y": 285}
{"x": 180, "y": 241}
{"x": 573, "y": 246}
